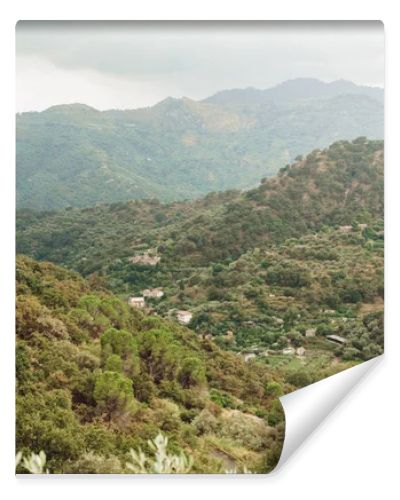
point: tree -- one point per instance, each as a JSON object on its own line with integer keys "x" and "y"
{"x": 113, "y": 393}
{"x": 299, "y": 378}
{"x": 122, "y": 344}
{"x": 114, "y": 364}
{"x": 192, "y": 373}
{"x": 160, "y": 354}
{"x": 273, "y": 389}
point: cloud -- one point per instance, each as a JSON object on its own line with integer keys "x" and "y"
{"x": 131, "y": 64}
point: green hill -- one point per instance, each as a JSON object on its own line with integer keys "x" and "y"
{"x": 96, "y": 378}
{"x": 264, "y": 264}
{"x": 284, "y": 284}
{"x": 335, "y": 186}
{"x": 74, "y": 155}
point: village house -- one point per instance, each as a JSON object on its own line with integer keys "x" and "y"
{"x": 137, "y": 302}
{"x": 155, "y": 293}
{"x": 336, "y": 339}
{"x": 361, "y": 227}
{"x": 145, "y": 259}
{"x": 184, "y": 317}
{"x": 300, "y": 351}
{"x": 310, "y": 332}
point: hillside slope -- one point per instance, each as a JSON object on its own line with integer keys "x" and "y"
{"x": 335, "y": 186}
{"x": 96, "y": 378}
{"x": 74, "y": 155}
{"x": 256, "y": 269}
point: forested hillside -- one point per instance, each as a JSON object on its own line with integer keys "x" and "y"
{"x": 332, "y": 187}
{"x": 74, "y": 155}
{"x": 257, "y": 270}
{"x": 96, "y": 378}
{"x": 278, "y": 287}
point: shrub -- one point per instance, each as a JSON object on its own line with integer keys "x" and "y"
{"x": 161, "y": 462}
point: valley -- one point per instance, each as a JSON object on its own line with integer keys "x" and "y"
{"x": 253, "y": 271}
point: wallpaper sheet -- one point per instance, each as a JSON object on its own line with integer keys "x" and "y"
{"x": 199, "y": 236}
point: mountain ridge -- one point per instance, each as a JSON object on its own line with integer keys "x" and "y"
{"x": 329, "y": 186}
{"x": 74, "y": 155}
{"x": 298, "y": 88}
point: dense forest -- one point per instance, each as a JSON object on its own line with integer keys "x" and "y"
{"x": 281, "y": 285}
{"x": 74, "y": 155}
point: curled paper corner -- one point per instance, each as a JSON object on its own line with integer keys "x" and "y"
{"x": 305, "y": 409}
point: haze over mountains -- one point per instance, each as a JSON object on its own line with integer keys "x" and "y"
{"x": 74, "y": 155}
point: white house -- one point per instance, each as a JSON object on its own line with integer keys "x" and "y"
{"x": 155, "y": 293}
{"x": 184, "y": 317}
{"x": 137, "y": 302}
{"x": 145, "y": 258}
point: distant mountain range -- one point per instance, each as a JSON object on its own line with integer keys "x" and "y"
{"x": 335, "y": 186}
{"x": 292, "y": 90}
{"x": 74, "y": 155}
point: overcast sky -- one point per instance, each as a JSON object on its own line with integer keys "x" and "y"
{"x": 129, "y": 65}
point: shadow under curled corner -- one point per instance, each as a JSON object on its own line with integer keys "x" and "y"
{"x": 306, "y": 408}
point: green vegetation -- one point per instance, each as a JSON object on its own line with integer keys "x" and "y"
{"x": 285, "y": 286}
{"x": 74, "y": 155}
{"x": 341, "y": 185}
{"x": 303, "y": 251}
{"x": 162, "y": 462}
{"x": 96, "y": 378}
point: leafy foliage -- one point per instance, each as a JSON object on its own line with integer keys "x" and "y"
{"x": 90, "y": 395}
{"x": 162, "y": 463}
{"x": 269, "y": 276}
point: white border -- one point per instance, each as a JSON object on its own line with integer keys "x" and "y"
{"x": 354, "y": 453}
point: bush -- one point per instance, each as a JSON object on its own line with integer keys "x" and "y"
{"x": 206, "y": 423}
{"x": 90, "y": 463}
{"x": 161, "y": 462}
{"x": 192, "y": 372}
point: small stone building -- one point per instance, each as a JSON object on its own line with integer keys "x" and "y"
{"x": 145, "y": 259}
{"x": 184, "y": 317}
{"x": 137, "y": 302}
{"x": 155, "y": 293}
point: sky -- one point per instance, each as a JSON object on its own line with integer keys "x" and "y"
{"x": 128, "y": 65}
